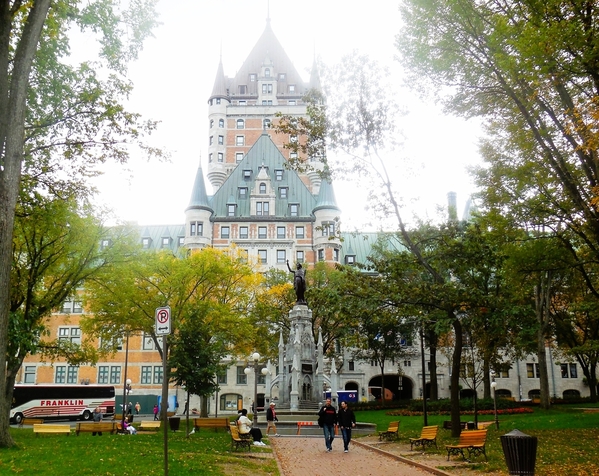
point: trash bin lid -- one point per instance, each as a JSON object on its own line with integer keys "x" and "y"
{"x": 517, "y": 434}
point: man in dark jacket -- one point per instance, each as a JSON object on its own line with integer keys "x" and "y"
{"x": 347, "y": 421}
{"x": 328, "y": 416}
{"x": 271, "y": 417}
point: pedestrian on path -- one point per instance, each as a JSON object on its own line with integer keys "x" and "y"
{"x": 155, "y": 412}
{"x": 271, "y": 417}
{"x": 347, "y": 421}
{"x": 327, "y": 418}
{"x": 137, "y": 408}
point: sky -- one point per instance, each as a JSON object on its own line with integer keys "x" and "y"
{"x": 173, "y": 80}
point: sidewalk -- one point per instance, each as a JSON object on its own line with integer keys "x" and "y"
{"x": 298, "y": 456}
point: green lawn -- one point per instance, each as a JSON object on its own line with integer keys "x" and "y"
{"x": 205, "y": 452}
{"x": 567, "y": 446}
{"x": 567, "y": 438}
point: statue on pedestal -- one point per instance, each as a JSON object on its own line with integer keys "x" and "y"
{"x": 299, "y": 282}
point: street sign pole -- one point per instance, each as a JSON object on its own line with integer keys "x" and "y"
{"x": 163, "y": 328}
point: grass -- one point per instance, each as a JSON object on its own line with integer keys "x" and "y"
{"x": 567, "y": 441}
{"x": 205, "y": 452}
{"x": 567, "y": 438}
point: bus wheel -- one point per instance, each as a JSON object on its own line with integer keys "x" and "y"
{"x": 86, "y": 415}
{"x": 18, "y": 418}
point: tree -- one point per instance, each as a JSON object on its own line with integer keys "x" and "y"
{"x": 38, "y": 115}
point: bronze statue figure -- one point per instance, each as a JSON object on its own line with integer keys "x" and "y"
{"x": 299, "y": 282}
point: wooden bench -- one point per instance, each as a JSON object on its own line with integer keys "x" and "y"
{"x": 392, "y": 432}
{"x": 215, "y": 423}
{"x": 96, "y": 427}
{"x": 483, "y": 425}
{"x": 149, "y": 425}
{"x": 428, "y": 436}
{"x": 31, "y": 421}
{"x": 238, "y": 440}
{"x": 301, "y": 424}
{"x": 56, "y": 429}
{"x": 473, "y": 441}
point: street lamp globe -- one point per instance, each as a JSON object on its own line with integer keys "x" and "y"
{"x": 247, "y": 370}
{"x": 493, "y": 385}
{"x": 264, "y": 371}
{"x": 256, "y": 356}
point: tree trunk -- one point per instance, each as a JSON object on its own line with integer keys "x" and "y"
{"x": 13, "y": 95}
{"x": 455, "y": 376}
{"x": 542, "y": 301}
{"x": 432, "y": 345}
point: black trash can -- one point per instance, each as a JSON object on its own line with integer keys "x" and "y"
{"x": 174, "y": 422}
{"x": 520, "y": 451}
{"x": 471, "y": 425}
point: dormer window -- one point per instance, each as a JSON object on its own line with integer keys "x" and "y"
{"x": 253, "y": 77}
{"x": 294, "y": 209}
{"x": 262, "y": 187}
{"x": 292, "y": 88}
{"x": 279, "y": 175}
{"x": 146, "y": 242}
{"x": 350, "y": 259}
{"x": 281, "y": 76}
{"x": 247, "y": 174}
{"x": 267, "y": 72}
{"x": 243, "y": 192}
{"x": 283, "y": 192}
{"x": 166, "y": 242}
{"x": 231, "y": 210}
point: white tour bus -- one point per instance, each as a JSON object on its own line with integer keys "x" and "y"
{"x": 64, "y": 402}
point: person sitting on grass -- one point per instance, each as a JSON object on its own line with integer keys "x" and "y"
{"x": 245, "y": 427}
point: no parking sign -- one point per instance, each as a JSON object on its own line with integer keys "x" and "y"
{"x": 163, "y": 321}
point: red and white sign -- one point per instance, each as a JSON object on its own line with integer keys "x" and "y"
{"x": 163, "y": 321}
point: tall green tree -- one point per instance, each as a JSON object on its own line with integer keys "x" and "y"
{"x": 55, "y": 117}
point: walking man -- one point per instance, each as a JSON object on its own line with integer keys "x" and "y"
{"x": 347, "y": 421}
{"x": 328, "y": 417}
{"x": 271, "y": 417}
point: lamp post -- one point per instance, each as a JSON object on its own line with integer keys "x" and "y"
{"x": 127, "y": 382}
{"x": 424, "y": 412}
{"x": 494, "y": 387}
{"x": 254, "y": 366}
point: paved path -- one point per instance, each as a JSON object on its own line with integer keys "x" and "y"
{"x": 308, "y": 457}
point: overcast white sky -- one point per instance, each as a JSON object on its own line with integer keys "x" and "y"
{"x": 175, "y": 73}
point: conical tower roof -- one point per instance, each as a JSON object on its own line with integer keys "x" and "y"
{"x": 326, "y": 197}
{"x": 220, "y": 83}
{"x": 199, "y": 197}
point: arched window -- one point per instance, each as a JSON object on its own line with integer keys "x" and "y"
{"x": 262, "y": 187}
{"x": 240, "y": 124}
{"x": 266, "y": 124}
{"x": 221, "y": 123}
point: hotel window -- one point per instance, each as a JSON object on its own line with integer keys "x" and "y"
{"x": 262, "y": 232}
{"x": 267, "y": 103}
{"x": 292, "y": 88}
{"x": 262, "y": 256}
{"x": 262, "y": 208}
{"x": 146, "y": 374}
{"x": 217, "y": 100}
{"x": 221, "y": 157}
{"x": 242, "y": 378}
{"x": 221, "y": 140}
{"x": 569, "y": 371}
{"x": 293, "y": 139}
{"x": 247, "y": 174}
{"x": 328, "y": 228}
{"x": 299, "y": 256}
{"x": 299, "y": 232}
{"x": 243, "y": 192}
{"x": 532, "y": 370}
{"x": 104, "y": 244}
{"x": 293, "y": 155}
{"x": 280, "y": 232}
{"x": 267, "y": 89}
{"x": 281, "y": 256}
{"x": 281, "y": 76}
{"x": 71, "y": 334}
{"x": 148, "y": 342}
{"x": 77, "y": 307}
{"x": 267, "y": 72}
{"x": 29, "y": 376}
{"x": 211, "y": 141}
{"x": 60, "y": 374}
{"x": 166, "y": 242}
{"x": 294, "y": 209}
{"x": 292, "y": 102}
{"x": 72, "y": 372}
{"x": 231, "y": 210}
{"x": 115, "y": 374}
{"x": 253, "y": 77}
{"x": 211, "y": 123}
{"x": 283, "y": 192}
{"x": 103, "y": 374}
{"x": 239, "y": 140}
{"x": 210, "y": 157}
{"x": 262, "y": 187}
{"x": 243, "y": 232}
{"x": 243, "y": 103}
{"x": 266, "y": 124}
{"x": 221, "y": 123}
{"x": 222, "y": 377}
{"x": 238, "y": 156}
{"x": 278, "y": 175}
{"x": 320, "y": 255}
{"x": 145, "y": 243}
{"x": 196, "y": 228}
{"x": 242, "y": 89}
{"x": 224, "y": 232}
{"x": 240, "y": 124}
{"x": 336, "y": 255}
{"x": 158, "y": 374}
{"x": 350, "y": 259}
{"x": 351, "y": 366}
{"x": 181, "y": 240}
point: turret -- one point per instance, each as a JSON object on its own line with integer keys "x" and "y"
{"x": 198, "y": 230}
{"x": 327, "y": 244}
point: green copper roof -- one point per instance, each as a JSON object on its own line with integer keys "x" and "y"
{"x": 199, "y": 197}
{"x": 263, "y": 154}
{"x": 326, "y": 197}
